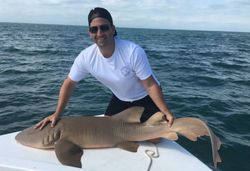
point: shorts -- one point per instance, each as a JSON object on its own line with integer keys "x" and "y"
{"x": 116, "y": 105}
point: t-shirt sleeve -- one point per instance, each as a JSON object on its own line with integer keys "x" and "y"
{"x": 140, "y": 64}
{"x": 78, "y": 70}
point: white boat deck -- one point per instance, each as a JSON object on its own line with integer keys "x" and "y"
{"x": 172, "y": 157}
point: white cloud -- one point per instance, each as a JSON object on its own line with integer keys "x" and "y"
{"x": 191, "y": 14}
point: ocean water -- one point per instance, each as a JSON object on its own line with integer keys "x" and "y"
{"x": 203, "y": 74}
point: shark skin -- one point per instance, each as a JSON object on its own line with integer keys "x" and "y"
{"x": 73, "y": 134}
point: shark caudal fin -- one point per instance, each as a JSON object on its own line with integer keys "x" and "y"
{"x": 132, "y": 114}
{"x": 193, "y": 128}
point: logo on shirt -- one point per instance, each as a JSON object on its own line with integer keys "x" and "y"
{"x": 125, "y": 71}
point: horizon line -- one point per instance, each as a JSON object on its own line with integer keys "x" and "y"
{"x": 122, "y": 27}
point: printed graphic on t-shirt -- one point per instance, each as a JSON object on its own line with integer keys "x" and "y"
{"x": 125, "y": 71}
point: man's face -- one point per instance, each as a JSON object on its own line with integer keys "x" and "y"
{"x": 101, "y": 31}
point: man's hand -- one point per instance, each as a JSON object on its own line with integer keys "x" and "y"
{"x": 169, "y": 118}
{"x": 52, "y": 118}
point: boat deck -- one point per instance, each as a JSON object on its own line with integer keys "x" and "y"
{"x": 167, "y": 155}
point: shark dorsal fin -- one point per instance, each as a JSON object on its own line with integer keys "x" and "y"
{"x": 132, "y": 114}
{"x": 155, "y": 119}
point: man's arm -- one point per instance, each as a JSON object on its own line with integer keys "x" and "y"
{"x": 156, "y": 95}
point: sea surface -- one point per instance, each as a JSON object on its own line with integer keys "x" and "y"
{"x": 203, "y": 74}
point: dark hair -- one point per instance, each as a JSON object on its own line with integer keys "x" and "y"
{"x": 102, "y": 13}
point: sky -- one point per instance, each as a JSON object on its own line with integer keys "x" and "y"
{"x": 215, "y": 15}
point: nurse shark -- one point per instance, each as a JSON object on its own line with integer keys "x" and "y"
{"x": 73, "y": 134}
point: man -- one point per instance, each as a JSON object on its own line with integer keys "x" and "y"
{"x": 120, "y": 65}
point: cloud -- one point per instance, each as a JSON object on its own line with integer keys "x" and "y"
{"x": 169, "y": 14}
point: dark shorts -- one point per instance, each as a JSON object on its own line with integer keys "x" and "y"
{"x": 116, "y": 105}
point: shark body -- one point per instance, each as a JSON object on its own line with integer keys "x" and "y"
{"x": 73, "y": 134}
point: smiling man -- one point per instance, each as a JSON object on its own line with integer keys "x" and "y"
{"x": 120, "y": 65}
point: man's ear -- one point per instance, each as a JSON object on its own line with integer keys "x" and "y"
{"x": 113, "y": 29}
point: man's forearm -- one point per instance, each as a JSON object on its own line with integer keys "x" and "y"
{"x": 64, "y": 95}
{"x": 156, "y": 95}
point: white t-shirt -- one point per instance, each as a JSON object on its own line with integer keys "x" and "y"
{"x": 121, "y": 72}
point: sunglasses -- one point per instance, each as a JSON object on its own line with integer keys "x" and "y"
{"x": 103, "y": 28}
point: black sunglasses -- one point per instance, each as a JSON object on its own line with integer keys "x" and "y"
{"x": 103, "y": 28}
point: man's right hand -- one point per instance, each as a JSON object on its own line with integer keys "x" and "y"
{"x": 52, "y": 118}
{"x": 65, "y": 92}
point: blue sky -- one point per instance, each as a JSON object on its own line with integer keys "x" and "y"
{"x": 221, "y": 15}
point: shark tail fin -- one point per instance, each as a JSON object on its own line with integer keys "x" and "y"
{"x": 216, "y": 156}
{"x": 193, "y": 128}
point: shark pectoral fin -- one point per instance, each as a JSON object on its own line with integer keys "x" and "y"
{"x": 68, "y": 153}
{"x": 129, "y": 146}
{"x": 132, "y": 114}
